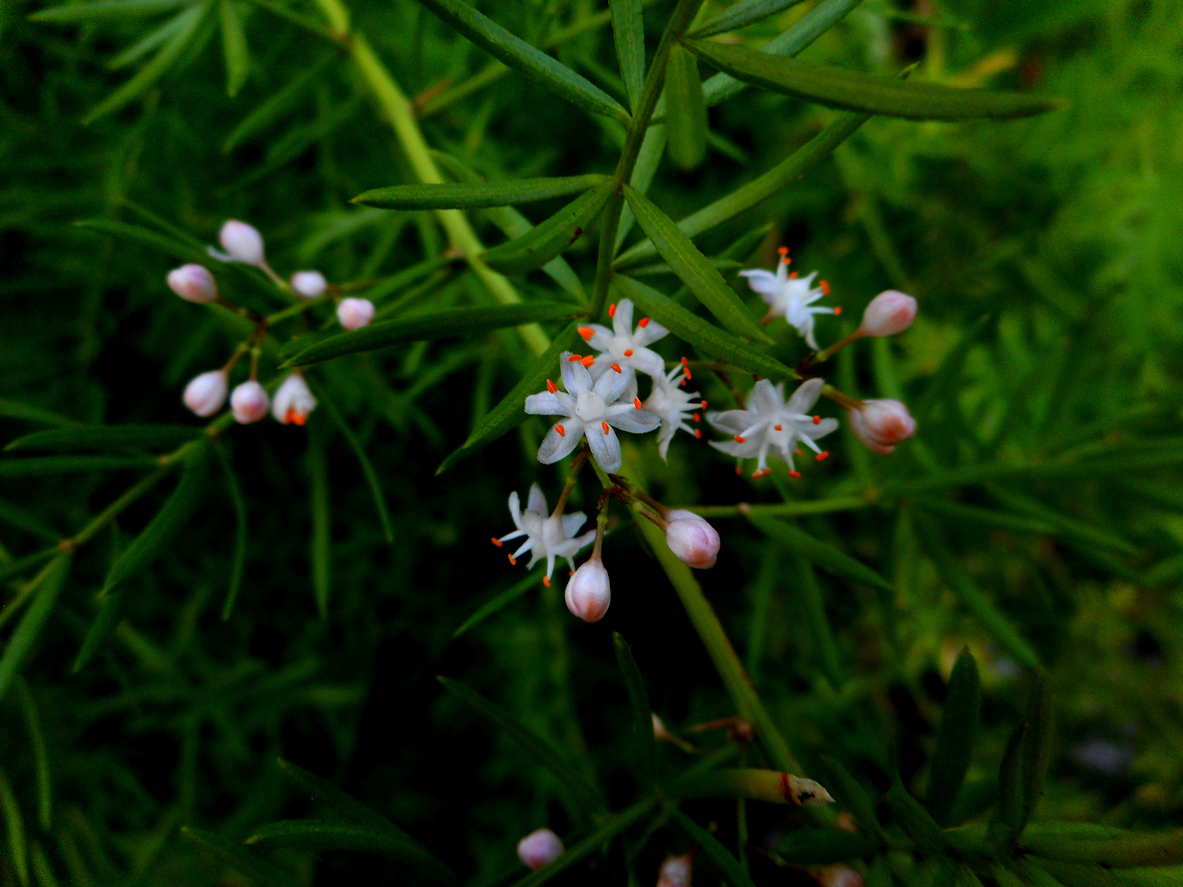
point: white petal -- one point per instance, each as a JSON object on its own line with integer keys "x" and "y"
{"x": 821, "y": 429}
{"x": 647, "y": 361}
{"x": 763, "y": 398}
{"x": 601, "y": 339}
{"x": 545, "y": 404}
{"x": 805, "y": 396}
{"x": 555, "y": 446}
{"x": 537, "y": 501}
{"x": 572, "y": 522}
{"x": 580, "y": 380}
{"x": 761, "y": 281}
{"x": 515, "y": 510}
{"x": 622, "y": 320}
{"x": 627, "y": 417}
{"x": 605, "y": 448}
{"x": 732, "y": 420}
{"x": 650, "y": 332}
{"x": 611, "y": 385}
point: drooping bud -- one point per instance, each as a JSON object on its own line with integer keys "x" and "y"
{"x": 242, "y": 242}
{"x": 193, "y": 283}
{"x": 676, "y": 871}
{"x": 206, "y": 393}
{"x": 355, "y": 313}
{"x": 890, "y": 312}
{"x": 539, "y": 848}
{"x": 589, "y": 592}
{"x": 309, "y": 284}
{"x": 691, "y": 538}
{"x": 881, "y": 424}
{"x": 248, "y": 402}
{"x": 293, "y": 401}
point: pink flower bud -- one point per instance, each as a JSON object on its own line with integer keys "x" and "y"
{"x": 193, "y": 283}
{"x": 242, "y": 242}
{"x": 293, "y": 401}
{"x": 206, "y": 393}
{"x": 692, "y": 539}
{"x": 355, "y": 313}
{"x": 839, "y": 876}
{"x": 539, "y": 848}
{"x": 589, "y": 593}
{"x": 248, "y": 402}
{"x": 881, "y": 424}
{"x": 890, "y": 312}
{"x": 676, "y": 871}
{"x": 309, "y": 284}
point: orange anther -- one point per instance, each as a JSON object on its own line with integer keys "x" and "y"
{"x": 550, "y": 386}
{"x": 698, "y": 433}
{"x": 823, "y": 454}
{"x": 496, "y": 541}
{"x": 587, "y": 332}
{"x": 612, "y": 310}
{"x": 683, "y": 383}
{"x": 546, "y": 581}
{"x": 643, "y": 322}
{"x": 561, "y": 430}
{"x": 628, "y": 353}
{"x": 825, "y": 287}
{"x": 786, "y": 260}
{"x": 838, "y": 310}
{"x": 797, "y": 452}
{"x": 575, "y": 357}
{"x": 697, "y": 418}
{"x": 295, "y": 417}
{"x": 589, "y": 360}
{"x": 780, "y": 428}
{"x": 512, "y": 562}
{"x": 794, "y": 474}
{"x": 739, "y": 438}
{"x": 793, "y": 275}
{"x": 817, "y": 420}
{"x": 738, "y": 471}
{"x": 686, "y": 370}
{"x": 637, "y": 402}
{"x": 704, "y": 404}
{"x": 604, "y": 425}
{"x": 784, "y": 250}
{"x": 616, "y": 367}
{"x": 685, "y": 361}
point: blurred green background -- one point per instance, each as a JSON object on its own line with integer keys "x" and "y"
{"x": 1043, "y": 371}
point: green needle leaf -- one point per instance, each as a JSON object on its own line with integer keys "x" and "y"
{"x": 959, "y": 725}
{"x": 105, "y": 9}
{"x": 526, "y": 59}
{"x": 821, "y": 846}
{"x": 49, "y": 583}
{"x": 234, "y": 48}
{"x": 15, "y": 825}
{"x": 259, "y": 870}
{"x": 238, "y": 563}
{"x": 686, "y": 111}
{"x": 732, "y": 871}
{"x": 39, "y": 466}
{"x": 318, "y": 500}
{"x": 628, "y": 31}
{"x": 820, "y": 553}
{"x": 642, "y": 713}
{"x": 107, "y": 437}
{"x": 1036, "y": 751}
{"x": 916, "y": 822}
{"x": 872, "y": 93}
{"x": 472, "y": 195}
{"x": 742, "y": 14}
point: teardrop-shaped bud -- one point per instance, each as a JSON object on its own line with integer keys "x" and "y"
{"x": 589, "y": 593}
{"x": 691, "y": 538}
{"x": 193, "y": 283}
{"x": 206, "y": 393}
{"x": 249, "y": 402}
{"x": 881, "y": 424}
{"x": 242, "y": 242}
{"x": 309, "y": 284}
{"x": 539, "y": 848}
{"x": 890, "y": 312}
{"x": 355, "y": 313}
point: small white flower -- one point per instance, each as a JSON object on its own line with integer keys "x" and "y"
{"x": 293, "y": 401}
{"x": 242, "y": 242}
{"x": 881, "y": 424}
{"x": 769, "y": 424}
{"x": 671, "y": 403}
{"x": 790, "y": 297}
{"x": 676, "y": 871}
{"x": 624, "y": 346}
{"x": 248, "y": 402}
{"x": 589, "y": 592}
{"x": 309, "y": 284}
{"x": 548, "y": 536}
{"x": 888, "y": 313}
{"x": 355, "y": 313}
{"x": 692, "y": 539}
{"x": 206, "y": 393}
{"x": 590, "y": 409}
{"x": 539, "y": 848}
{"x": 193, "y": 283}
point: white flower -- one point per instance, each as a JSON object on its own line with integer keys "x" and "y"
{"x": 242, "y": 242}
{"x": 881, "y": 424}
{"x": 676, "y": 871}
{"x": 671, "y": 403}
{"x": 206, "y": 393}
{"x": 309, "y": 284}
{"x": 248, "y": 402}
{"x": 293, "y": 401}
{"x": 588, "y": 409}
{"x": 624, "y": 346}
{"x": 692, "y": 539}
{"x": 589, "y": 592}
{"x": 770, "y": 424}
{"x": 549, "y": 537}
{"x": 539, "y": 848}
{"x": 789, "y": 296}
{"x": 193, "y": 283}
{"x": 355, "y": 313}
{"x": 888, "y": 313}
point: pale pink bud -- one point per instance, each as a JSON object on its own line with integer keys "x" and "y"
{"x": 193, "y": 283}
{"x": 248, "y": 402}
{"x": 206, "y": 393}
{"x": 293, "y": 401}
{"x": 692, "y": 539}
{"x": 539, "y": 848}
{"x": 589, "y": 592}
{"x": 242, "y": 242}
{"x": 839, "y": 876}
{"x": 309, "y": 284}
{"x": 355, "y": 313}
{"x": 890, "y": 312}
{"x": 881, "y": 424}
{"x": 676, "y": 871}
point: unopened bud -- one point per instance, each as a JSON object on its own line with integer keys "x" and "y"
{"x": 588, "y": 592}
{"x": 890, "y": 312}
{"x": 539, "y": 848}
{"x": 676, "y": 871}
{"x": 206, "y": 393}
{"x": 659, "y": 730}
{"x": 355, "y": 313}
{"x": 839, "y": 876}
{"x": 193, "y": 283}
{"x": 242, "y": 242}
{"x": 248, "y": 402}
{"x": 309, "y": 284}
{"x": 881, "y": 424}
{"x": 293, "y": 401}
{"x": 692, "y": 539}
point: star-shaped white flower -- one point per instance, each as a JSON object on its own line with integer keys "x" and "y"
{"x": 589, "y": 409}
{"x": 623, "y": 345}
{"x": 549, "y": 536}
{"x": 674, "y": 405}
{"x": 790, "y": 297}
{"x": 768, "y": 424}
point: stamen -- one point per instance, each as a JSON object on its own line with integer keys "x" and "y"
{"x": 739, "y": 438}
{"x": 793, "y": 275}
{"x": 550, "y": 386}
{"x": 616, "y": 367}
{"x": 496, "y": 541}
{"x": 682, "y": 383}
{"x": 837, "y": 310}
{"x": 698, "y": 433}
{"x": 512, "y": 561}
{"x": 294, "y": 416}
{"x": 637, "y": 402}
{"x": 738, "y": 471}
{"x": 794, "y": 474}
{"x": 704, "y": 404}
{"x": 823, "y": 454}
{"x": 612, "y": 310}
{"x": 561, "y": 430}
{"x": 784, "y": 250}
{"x": 575, "y": 357}
{"x": 697, "y": 418}
{"x": 589, "y": 360}
{"x": 686, "y": 368}
{"x": 604, "y": 425}
{"x": 825, "y": 287}
{"x": 643, "y": 322}
{"x": 546, "y": 581}
{"x": 628, "y": 353}
{"x": 817, "y": 420}
{"x": 797, "y": 452}
{"x": 587, "y": 332}
{"x": 780, "y": 428}
{"x": 786, "y": 260}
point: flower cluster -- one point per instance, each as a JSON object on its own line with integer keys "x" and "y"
{"x": 206, "y": 393}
